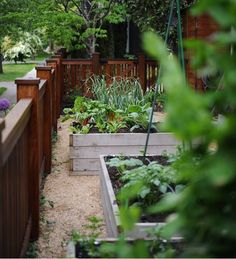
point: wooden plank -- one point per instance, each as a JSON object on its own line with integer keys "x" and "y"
{"x": 94, "y": 152}
{"x": 73, "y": 77}
{"x": 109, "y": 200}
{"x": 85, "y": 164}
{"x": 121, "y": 61}
{"x": 30, "y": 89}
{"x": 15, "y": 123}
{"x": 113, "y": 139}
{"x": 111, "y": 210}
{"x": 76, "y": 62}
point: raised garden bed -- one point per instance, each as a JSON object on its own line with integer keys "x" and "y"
{"x": 111, "y": 208}
{"x": 82, "y": 248}
{"x": 85, "y": 149}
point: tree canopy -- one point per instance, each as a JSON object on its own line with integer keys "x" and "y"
{"x": 153, "y": 15}
{"x": 77, "y": 24}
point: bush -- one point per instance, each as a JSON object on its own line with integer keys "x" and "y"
{"x": 206, "y": 209}
{"x": 27, "y": 47}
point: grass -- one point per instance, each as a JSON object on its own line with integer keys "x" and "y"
{"x": 40, "y": 57}
{"x": 12, "y": 71}
{"x": 2, "y": 90}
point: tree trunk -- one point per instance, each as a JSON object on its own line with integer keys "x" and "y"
{"x": 128, "y": 36}
{"x": 91, "y": 45}
{"x": 1, "y": 59}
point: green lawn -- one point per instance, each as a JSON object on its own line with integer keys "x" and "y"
{"x": 2, "y": 90}
{"x": 12, "y": 71}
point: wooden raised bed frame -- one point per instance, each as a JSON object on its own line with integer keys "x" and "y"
{"x": 85, "y": 149}
{"x": 111, "y": 209}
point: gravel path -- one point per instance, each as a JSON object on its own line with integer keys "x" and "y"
{"x": 69, "y": 201}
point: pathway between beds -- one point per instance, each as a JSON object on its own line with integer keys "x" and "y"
{"x": 67, "y": 201}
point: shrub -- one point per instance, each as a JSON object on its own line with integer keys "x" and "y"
{"x": 206, "y": 209}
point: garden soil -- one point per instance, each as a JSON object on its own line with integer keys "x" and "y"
{"x": 67, "y": 202}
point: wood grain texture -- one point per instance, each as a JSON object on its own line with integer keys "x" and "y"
{"x": 45, "y": 73}
{"x": 85, "y": 149}
{"x": 111, "y": 209}
{"x": 15, "y": 123}
{"x": 30, "y": 89}
{"x": 15, "y": 212}
{"x": 122, "y": 139}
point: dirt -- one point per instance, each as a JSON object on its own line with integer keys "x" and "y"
{"x": 67, "y": 202}
{"x": 117, "y": 184}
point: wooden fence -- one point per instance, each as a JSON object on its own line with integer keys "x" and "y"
{"x": 200, "y": 27}
{"x": 76, "y": 72}
{"x": 25, "y": 156}
{"x": 25, "y": 138}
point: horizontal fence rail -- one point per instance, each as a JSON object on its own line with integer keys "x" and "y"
{"x": 75, "y": 73}
{"x": 16, "y": 215}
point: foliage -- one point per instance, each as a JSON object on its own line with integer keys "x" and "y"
{"x": 87, "y": 241}
{"x": 2, "y": 90}
{"x": 120, "y": 93}
{"x": 154, "y": 178}
{"x": 77, "y": 24}
{"x": 88, "y": 114}
{"x": 32, "y": 250}
{"x": 205, "y": 210}
{"x": 13, "y": 20}
{"x": 88, "y": 246}
{"x": 27, "y": 46}
{"x": 160, "y": 101}
{"x": 153, "y": 15}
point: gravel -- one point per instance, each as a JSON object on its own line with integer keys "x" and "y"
{"x": 68, "y": 202}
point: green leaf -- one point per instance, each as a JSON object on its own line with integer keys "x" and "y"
{"x": 144, "y": 192}
{"x": 134, "y": 109}
{"x": 129, "y": 216}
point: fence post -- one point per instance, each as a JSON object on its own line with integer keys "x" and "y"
{"x": 142, "y": 71}
{"x": 60, "y": 83}
{"x": 96, "y": 63}
{"x": 53, "y": 64}
{"x": 44, "y": 72}
{"x": 29, "y": 88}
{"x": 2, "y": 125}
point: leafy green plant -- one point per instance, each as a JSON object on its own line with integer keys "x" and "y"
{"x": 160, "y": 100}
{"x": 205, "y": 211}
{"x": 154, "y": 179}
{"x": 90, "y": 246}
{"x": 87, "y": 241}
{"x": 90, "y": 114}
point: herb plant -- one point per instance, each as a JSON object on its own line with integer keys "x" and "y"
{"x": 119, "y": 94}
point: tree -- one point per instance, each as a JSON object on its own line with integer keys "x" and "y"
{"x": 153, "y": 15}
{"x": 77, "y": 24}
{"x": 13, "y": 20}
